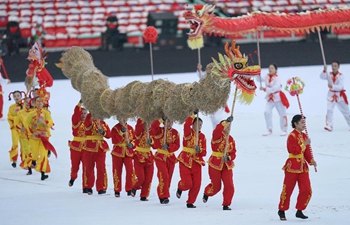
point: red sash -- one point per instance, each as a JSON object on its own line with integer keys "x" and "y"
{"x": 342, "y": 94}
{"x": 284, "y": 99}
{"x": 48, "y": 145}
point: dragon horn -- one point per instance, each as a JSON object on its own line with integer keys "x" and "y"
{"x": 228, "y": 51}
{"x": 211, "y": 8}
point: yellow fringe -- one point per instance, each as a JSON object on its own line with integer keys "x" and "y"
{"x": 196, "y": 43}
{"x": 245, "y": 97}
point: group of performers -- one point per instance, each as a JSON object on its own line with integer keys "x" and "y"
{"x": 132, "y": 148}
{"x": 30, "y": 123}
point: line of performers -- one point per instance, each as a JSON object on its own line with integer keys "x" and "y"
{"x": 132, "y": 148}
{"x": 30, "y": 124}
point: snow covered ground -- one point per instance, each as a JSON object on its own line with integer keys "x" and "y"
{"x": 257, "y": 176}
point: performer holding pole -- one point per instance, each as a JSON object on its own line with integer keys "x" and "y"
{"x": 336, "y": 94}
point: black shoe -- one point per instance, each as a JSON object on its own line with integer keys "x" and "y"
{"x": 164, "y": 200}
{"x": 129, "y": 193}
{"x": 43, "y": 176}
{"x": 29, "y": 171}
{"x": 14, "y": 164}
{"x": 133, "y": 192}
{"x": 226, "y": 207}
{"x": 178, "y": 193}
{"x": 70, "y": 183}
{"x": 191, "y": 206}
{"x": 144, "y": 199}
{"x": 300, "y": 215}
{"x": 282, "y": 215}
{"x": 205, "y": 198}
{"x": 101, "y": 192}
{"x": 85, "y": 190}
{"x": 117, "y": 194}
{"x": 89, "y": 191}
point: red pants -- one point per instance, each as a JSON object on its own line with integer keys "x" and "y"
{"x": 216, "y": 176}
{"x": 164, "y": 174}
{"x": 144, "y": 173}
{"x": 1, "y": 103}
{"x": 305, "y": 192}
{"x": 191, "y": 179}
{"x": 117, "y": 172}
{"x": 90, "y": 159}
{"x": 76, "y": 158}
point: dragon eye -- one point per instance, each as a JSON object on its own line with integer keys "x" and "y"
{"x": 238, "y": 66}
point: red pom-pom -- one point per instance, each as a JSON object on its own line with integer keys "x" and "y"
{"x": 227, "y": 109}
{"x": 150, "y": 35}
{"x": 250, "y": 55}
{"x": 255, "y": 52}
{"x": 198, "y": 7}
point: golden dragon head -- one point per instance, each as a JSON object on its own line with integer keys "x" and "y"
{"x": 234, "y": 67}
{"x": 200, "y": 17}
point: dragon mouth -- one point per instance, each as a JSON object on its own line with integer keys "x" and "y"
{"x": 246, "y": 82}
{"x": 32, "y": 58}
{"x": 195, "y": 26}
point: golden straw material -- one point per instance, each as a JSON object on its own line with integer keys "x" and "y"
{"x": 211, "y": 93}
{"x": 175, "y": 107}
{"x": 75, "y": 60}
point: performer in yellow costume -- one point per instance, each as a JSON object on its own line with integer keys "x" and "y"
{"x": 39, "y": 123}
{"x": 13, "y": 120}
{"x": 24, "y": 137}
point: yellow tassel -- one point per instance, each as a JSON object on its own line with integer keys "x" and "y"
{"x": 196, "y": 43}
{"x": 245, "y": 97}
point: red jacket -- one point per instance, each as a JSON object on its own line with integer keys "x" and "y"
{"x": 120, "y": 142}
{"x": 172, "y": 139}
{"x": 218, "y": 144}
{"x": 143, "y": 149}
{"x": 93, "y": 140}
{"x": 299, "y": 154}
{"x": 78, "y": 129}
{"x": 188, "y": 153}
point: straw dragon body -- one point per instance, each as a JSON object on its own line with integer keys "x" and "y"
{"x": 152, "y": 100}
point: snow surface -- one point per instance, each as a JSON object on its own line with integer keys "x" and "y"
{"x": 257, "y": 176}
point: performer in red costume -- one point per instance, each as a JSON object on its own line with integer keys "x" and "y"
{"x": 36, "y": 68}
{"x": 191, "y": 159}
{"x": 76, "y": 145}
{"x": 221, "y": 164}
{"x": 167, "y": 141}
{"x": 123, "y": 151}
{"x": 95, "y": 148}
{"x": 143, "y": 160}
{"x": 296, "y": 169}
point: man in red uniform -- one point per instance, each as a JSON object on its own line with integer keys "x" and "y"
{"x": 76, "y": 153}
{"x": 296, "y": 169}
{"x": 221, "y": 164}
{"x": 143, "y": 160}
{"x": 191, "y": 159}
{"x": 122, "y": 135}
{"x": 95, "y": 148}
{"x": 167, "y": 141}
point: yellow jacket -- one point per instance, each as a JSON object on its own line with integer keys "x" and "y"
{"x": 12, "y": 117}
{"x": 35, "y": 127}
{"x": 22, "y": 116}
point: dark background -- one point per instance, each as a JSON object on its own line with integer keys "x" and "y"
{"x": 132, "y": 61}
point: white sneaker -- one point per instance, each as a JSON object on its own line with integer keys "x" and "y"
{"x": 328, "y": 128}
{"x": 267, "y": 133}
{"x": 283, "y": 133}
